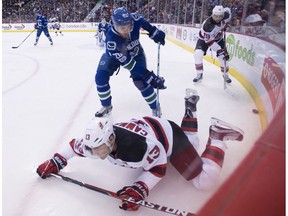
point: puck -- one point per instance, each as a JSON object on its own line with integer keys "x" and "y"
{"x": 255, "y": 111}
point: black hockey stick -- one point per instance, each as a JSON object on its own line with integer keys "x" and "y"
{"x": 225, "y": 65}
{"x": 15, "y": 47}
{"x": 158, "y": 73}
{"x": 146, "y": 204}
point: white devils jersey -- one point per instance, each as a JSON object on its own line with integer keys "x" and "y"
{"x": 141, "y": 143}
{"x": 55, "y": 25}
{"x": 212, "y": 31}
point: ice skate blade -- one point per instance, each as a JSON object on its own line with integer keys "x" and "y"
{"x": 218, "y": 122}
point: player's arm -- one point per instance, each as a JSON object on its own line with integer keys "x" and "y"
{"x": 44, "y": 21}
{"x": 227, "y": 15}
{"x": 116, "y": 47}
{"x": 60, "y": 159}
{"x": 154, "y": 164}
{"x": 153, "y": 32}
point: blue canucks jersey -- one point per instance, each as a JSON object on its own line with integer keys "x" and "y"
{"x": 103, "y": 28}
{"x": 123, "y": 50}
{"x": 41, "y": 22}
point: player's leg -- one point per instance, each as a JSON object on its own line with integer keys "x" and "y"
{"x": 147, "y": 91}
{"x": 213, "y": 155}
{"x": 39, "y": 32}
{"x": 106, "y": 67}
{"x": 46, "y": 32}
{"x": 190, "y": 122}
{"x": 224, "y": 64}
{"x": 184, "y": 156}
{"x": 200, "y": 51}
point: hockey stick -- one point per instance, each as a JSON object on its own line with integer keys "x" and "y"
{"x": 225, "y": 71}
{"x": 146, "y": 204}
{"x": 15, "y": 47}
{"x": 158, "y": 73}
{"x": 225, "y": 66}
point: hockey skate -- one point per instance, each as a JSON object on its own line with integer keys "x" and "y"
{"x": 191, "y": 100}
{"x": 198, "y": 78}
{"x": 104, "y": 111}
{"x": 220, "y": 130}
{"x": 35, "y": 44}
{"x": 51, "y": 43}
{"x": 227, "y": 78}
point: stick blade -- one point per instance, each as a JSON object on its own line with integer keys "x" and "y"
{"x": 14, "y": 47}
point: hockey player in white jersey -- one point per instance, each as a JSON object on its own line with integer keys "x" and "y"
{"x": 55, "y": 25}
{"x": 148, "y": 143}
{"x": 211, "y": 36}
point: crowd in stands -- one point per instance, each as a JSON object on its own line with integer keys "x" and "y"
{"x": 184, "y": 12}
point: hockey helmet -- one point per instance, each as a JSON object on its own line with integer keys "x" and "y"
{"x": 218, "y": 13}
{"x": 122, "y": 20}
{"x": 99, "y": 131}
{"x": 38, "y": 12}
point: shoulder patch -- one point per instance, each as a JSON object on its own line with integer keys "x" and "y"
{"x": 111, "y": 45}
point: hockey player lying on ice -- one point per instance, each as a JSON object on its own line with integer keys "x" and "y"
{"x": 147, "y": 143}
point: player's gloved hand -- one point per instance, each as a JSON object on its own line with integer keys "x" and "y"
{"x": 155, "y": 81}
{"x": 54, "y": 165}
{"x": 35, "y": 26}
{"x": 138, "y": 191}
{"x": 227, "y": 27}
{"x": 157, "y": 35}
{"x": 223, "y": 53}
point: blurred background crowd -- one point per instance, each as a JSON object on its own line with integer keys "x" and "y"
{"x": 261, "y": 18}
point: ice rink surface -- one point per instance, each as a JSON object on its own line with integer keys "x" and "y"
{"x": 48, "y": 96}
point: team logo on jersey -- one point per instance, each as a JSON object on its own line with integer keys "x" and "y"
{"x": 87, "y": 136}
{"x": 111, "y": 45}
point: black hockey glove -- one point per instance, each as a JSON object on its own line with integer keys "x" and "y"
{"x": 223, "y": 53}
{"x": 155, "y": 81}
{"x": 157, "y": 35}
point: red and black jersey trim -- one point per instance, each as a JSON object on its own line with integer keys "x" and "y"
{"x": 159, "y": 170}
{"x": 159, "y": 132}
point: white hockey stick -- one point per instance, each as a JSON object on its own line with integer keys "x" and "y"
{"x": 143, "y": 203}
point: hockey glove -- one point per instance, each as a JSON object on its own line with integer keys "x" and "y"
{"x": 53, "y": 165}
{"x": 155, "y": 81}
{"x": 223, "y": 53}
{"x": 138, "y": 191}
{"x": 157, "y": 35}
{"x": 36, "y": 26}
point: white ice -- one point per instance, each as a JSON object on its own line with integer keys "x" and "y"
{"x": 49, "y": 94}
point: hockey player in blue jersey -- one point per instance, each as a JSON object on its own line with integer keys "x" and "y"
{"x": 41, "y": 25}
{"x": 102, "y": 31}
{"x": 123, "y": 48}
{"x": 103, "y": 26}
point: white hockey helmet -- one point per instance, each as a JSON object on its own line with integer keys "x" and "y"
{"x": 99, "y": 131}
{"x": 218, "y": 13}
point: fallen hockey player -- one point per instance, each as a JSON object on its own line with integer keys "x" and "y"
{"x": 148, "y": 143}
